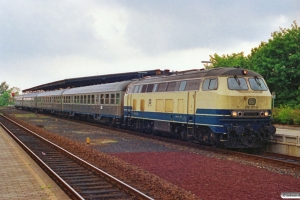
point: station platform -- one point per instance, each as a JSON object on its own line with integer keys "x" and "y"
{"x": 288, "y": 141}
{"x": 21, "y": 177}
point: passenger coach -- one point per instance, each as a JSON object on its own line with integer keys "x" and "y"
{"x": 101, "y": 102}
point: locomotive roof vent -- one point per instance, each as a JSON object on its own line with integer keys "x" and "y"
{"x": 166, "y": 72}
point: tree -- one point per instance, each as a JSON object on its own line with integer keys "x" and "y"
{"x": 277, "y": 60}
{"x": 5, "y": 94}
{"x": 233, "y": 60}
{"x": 3, "y": 87}
{"x": 4, "y": 99}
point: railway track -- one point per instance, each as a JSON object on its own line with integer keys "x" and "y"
{"x": 260, "y": 156}
{"x": 79, "y": 179}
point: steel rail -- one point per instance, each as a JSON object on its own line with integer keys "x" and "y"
{"x": 136, "y": 193}
{"x": 67, "y": 188}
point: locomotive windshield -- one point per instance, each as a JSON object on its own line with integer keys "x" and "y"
{"x": 237, "y": 84}
{"x": 257, "y": 84}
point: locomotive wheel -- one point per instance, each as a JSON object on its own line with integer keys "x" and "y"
{"x": 231, "y": 139}
{"x": 249, "y": 140}
{"x": 214, "y": 140}
{"x": 183, "y": 134}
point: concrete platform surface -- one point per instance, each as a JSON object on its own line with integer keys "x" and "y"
{"x": 21, "y": 177}
{"x": 284, "y": 131}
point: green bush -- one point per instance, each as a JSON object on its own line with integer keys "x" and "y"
{"x": 286, "y": 115}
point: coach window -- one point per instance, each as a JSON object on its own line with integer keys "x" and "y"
{"x": 106, "y": 98}
{"x": 182, "y": 86}
{"x": 144, "y": 88}
{"x": 92, "y": 99}
{"x": 81, "y": 99}
{"x": 112, "y": 98}
{"x": 87, "y": 100}
{"x": 96, "y": 99}
{"x": 171, "y": 86}
{"x": 118, "y": 98}
{"x": 210, "y": 84}
{"x": 102, "y": 98}
{"x": 162, "y": 87}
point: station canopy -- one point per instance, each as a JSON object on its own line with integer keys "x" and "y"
{"x": 93, "y": 80}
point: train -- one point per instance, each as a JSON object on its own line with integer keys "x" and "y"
{"x": 228, "y": 107}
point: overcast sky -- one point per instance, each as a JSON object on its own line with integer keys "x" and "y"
{"x": 51, "y": 40}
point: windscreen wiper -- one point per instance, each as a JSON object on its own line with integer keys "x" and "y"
{"x": 257, "y": 81}
{"x": 237, "y": 80}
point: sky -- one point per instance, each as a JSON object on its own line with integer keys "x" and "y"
{"x": 52, "y": 40}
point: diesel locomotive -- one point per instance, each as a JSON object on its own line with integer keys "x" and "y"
{"x": 228, "y": 107}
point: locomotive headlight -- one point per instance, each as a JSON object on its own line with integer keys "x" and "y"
{"x": 266, "y": 113}
{"x": 234, "y": 113}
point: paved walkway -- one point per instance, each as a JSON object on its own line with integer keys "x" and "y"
{"x": 21, "y": 177}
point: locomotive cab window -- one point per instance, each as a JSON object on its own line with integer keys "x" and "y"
{"x": 171, "y": 86}
{"x": 136, "y": 89}
{"x": 182, "y": 86}
{"x": 210, "y": 84}
{"x": 162, "y": 87}
{"x": 236, "y": 83}
{"x": 150, "y": 88}
{"x": 144, "y": 88}
{"x": 192, "y": 84}
{"x": 155, "y": 87}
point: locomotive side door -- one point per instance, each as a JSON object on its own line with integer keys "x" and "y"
{"x": 129, "y": 105}
{"x": 191, "y": 107}
{"x": 191, "y": 102}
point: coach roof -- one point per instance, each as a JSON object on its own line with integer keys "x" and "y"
{"x": 51, "y": 93}
{"x": 108, "y": 87}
